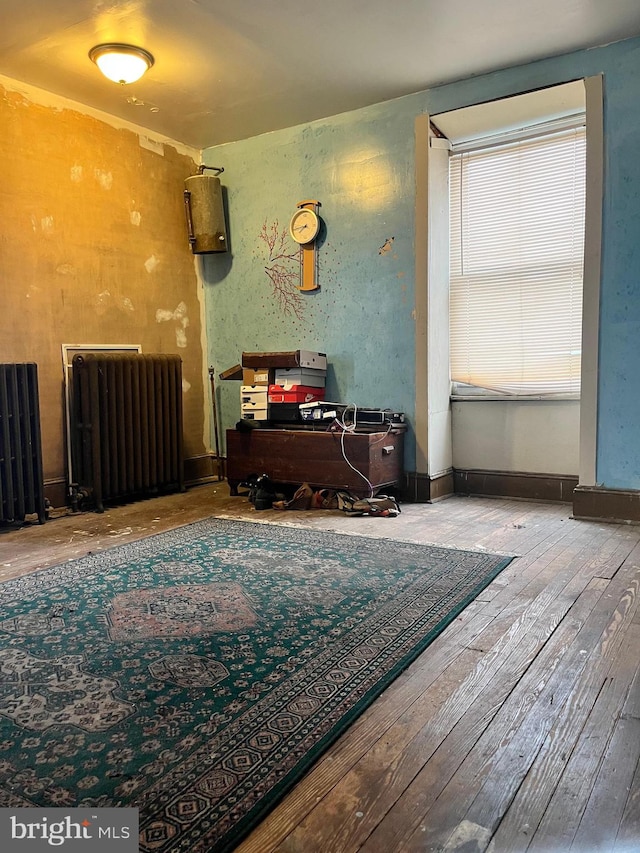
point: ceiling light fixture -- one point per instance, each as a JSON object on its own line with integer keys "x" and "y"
{"x": 121, "y": 63}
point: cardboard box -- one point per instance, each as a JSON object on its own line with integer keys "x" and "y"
{"x": 295, "y": 358}
{"x": 321, "y": 411}
{"x": 295, "y": 394}
{"x": 255, "y": 394}
{"x": 255, "y": 415}
{"x": 234, "y": 372}
{"x": 288, "y": 376}
{"x": 258, "y": 376}
{"x": 254, "y": 404}
{"x": 284, "y": 413}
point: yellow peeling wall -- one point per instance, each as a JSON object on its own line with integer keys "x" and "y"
{"x": 93, "y": 249}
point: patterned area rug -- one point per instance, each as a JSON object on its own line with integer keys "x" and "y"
{"x": 198, "y": 673}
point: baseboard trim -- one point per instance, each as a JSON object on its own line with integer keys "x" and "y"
{"x": 202, "y": 469}
{"x": 197, "y": 470}
{"x": 595, "y": 503}
{"x": 423, "y": 488}
{"x": 515, "y": 484}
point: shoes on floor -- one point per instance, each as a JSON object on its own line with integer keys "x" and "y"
{"x": 325, "y": 499}
{"x": 264, "y": 499}
{"x": 382, "y": 505}
{"x": 302, "y": 499}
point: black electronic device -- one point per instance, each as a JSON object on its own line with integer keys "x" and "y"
{"x": 323, "y": 410}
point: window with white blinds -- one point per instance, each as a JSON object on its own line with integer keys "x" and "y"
{"x": 517, "y": 242}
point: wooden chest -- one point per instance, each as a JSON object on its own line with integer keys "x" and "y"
{"x": 316, "y": 457}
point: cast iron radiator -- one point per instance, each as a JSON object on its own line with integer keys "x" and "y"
{"x": 126, "y": 436}
{"x": 21, "y": 478}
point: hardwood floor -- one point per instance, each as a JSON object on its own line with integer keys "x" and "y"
{"x": 517, "y": 729}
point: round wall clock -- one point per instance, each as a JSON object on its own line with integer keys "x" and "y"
{"x": 304, "y": 228}
{"x": 304, "y": 225}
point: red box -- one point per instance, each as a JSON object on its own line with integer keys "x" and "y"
{"x": 295, "y": 394}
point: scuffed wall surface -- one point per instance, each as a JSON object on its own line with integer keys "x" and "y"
{"x": 93, "y": 249}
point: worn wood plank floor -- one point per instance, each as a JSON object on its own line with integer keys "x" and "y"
{"x": 518, "y": 729}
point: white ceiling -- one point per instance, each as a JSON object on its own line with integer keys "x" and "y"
{"x": 230, "y": 69}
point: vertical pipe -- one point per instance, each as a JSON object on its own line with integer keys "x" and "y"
{"x": 215, "y": 423}
{"x": 17, "y": 451}
{"x": 128, "y": 413}
{"x": 153, "y": 428}
{"x": 94, "y": 433}
{"x": 23, "y": 414}
{"x": 172, "y": 403}
{"x": 164, "y": 457}
{"x": 144, "y": 422}
{"x": 179, "y": 422}
{"x": 117, "y": 390}
{"x": 136, "y": 420}
{"x": 36, "y": 441}
{"x": 5, "y": 450}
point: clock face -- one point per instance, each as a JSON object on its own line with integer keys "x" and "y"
{"x": 304, "y": 225}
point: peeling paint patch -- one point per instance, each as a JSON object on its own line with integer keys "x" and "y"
{"x": 15, "y": 99}
{"x": 65, "y": 269}
{"x": 151, "y": 263}
{"x": 162, "y": 315}
{"x": 101, "y": 302}
{"x": 151, "y": 144}
{"x": 106, "y": 300}
{"x": 34, "y": 222}
{"x": 386, "y": 246}
{"x": 181, "y": 320}
{"x": 46, "y": 224}
{"x": 135, "y": 217}
{"x": 186, "y": 386}
{"x": 76, "y": 173}
{"x": 105, "y": 179}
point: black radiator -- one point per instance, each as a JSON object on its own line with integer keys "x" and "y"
{"x": 21, "y": 478}
{"x": 126, "y": 435}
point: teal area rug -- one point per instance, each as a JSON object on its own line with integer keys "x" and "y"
{"x": 197, "y": 674}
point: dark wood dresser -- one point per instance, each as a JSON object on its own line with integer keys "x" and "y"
{"x": 308, "y": 456}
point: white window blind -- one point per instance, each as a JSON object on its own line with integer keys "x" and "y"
{"x": 517, "y": 242}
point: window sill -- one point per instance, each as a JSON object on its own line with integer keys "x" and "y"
{"x": 502, "y": 398}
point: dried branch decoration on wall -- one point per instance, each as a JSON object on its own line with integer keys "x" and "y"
{"x": 283, "y": 269}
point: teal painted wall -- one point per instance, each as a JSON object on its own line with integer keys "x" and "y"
{"x": 361, "y": 167}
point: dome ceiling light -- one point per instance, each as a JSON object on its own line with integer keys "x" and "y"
{"x": 122, "y": 63}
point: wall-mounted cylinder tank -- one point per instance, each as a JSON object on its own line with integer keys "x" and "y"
{"x": 205, "y": 213}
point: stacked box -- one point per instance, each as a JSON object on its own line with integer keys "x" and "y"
{"x": 294, "y": 394}
{"x": 290, "y": 376}
{"x": 258, "y": 376}
{"x": 287, "y": 379}
{"x": 254, "y": 402}
{"x": 295, "y": 358}
{"x": 284, "y": 413}
{"x": 321, "y": 411}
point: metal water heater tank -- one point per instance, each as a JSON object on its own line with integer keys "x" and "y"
{"x": 205, "y": 213}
